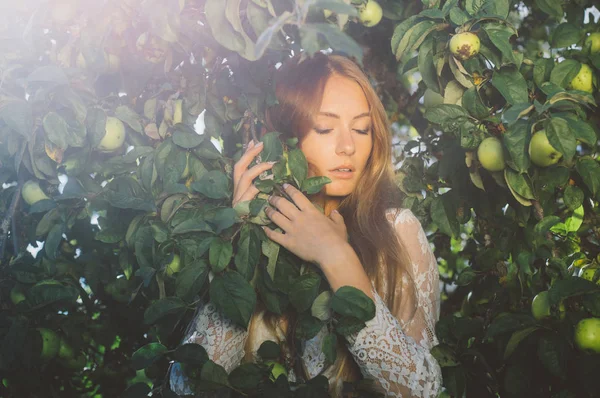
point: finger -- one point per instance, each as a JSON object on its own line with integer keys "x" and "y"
{"x": 336, "y": 217}
{"x": 275, "y": 236}
{"x": 285, "y": 207}
{"x": 246, "y": 179}
{"x": 282, "y": 221}
{"x": 241, "y": 165}
{"x": 298, "y": 197}
{"x": 249, "y": 194}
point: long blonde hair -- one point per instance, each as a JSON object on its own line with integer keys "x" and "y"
{"x": 299, "y": 85}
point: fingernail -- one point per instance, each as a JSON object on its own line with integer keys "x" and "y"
{"x": 273, "y": 162}
{"x": 286, "y": 185}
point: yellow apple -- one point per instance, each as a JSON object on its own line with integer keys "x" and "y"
{"x": 114, "y": 137}
{"x": 491, "y": 154}
{"x": 32, "y": 193}
{"x": 593, "y": 41}
{"x": 584, "y": 80}
{"x": 465, "y": 45}
{"x": 370, "y": 14}
{"x": 541, "y": 152}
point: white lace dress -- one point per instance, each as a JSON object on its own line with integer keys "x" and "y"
{"x": 393, "y": 349}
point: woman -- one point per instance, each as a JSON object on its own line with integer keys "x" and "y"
{"x": 361, "y": 240}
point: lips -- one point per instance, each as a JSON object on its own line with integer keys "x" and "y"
{"x": 343, "y": 168}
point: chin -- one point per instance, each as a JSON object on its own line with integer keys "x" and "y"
{"x": 334, "y": 189}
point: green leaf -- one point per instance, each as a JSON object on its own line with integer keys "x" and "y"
{"x": 573, "y": 197}
{"x": 348, "y": 325}
{"x": 304, "y": 291}
{"x": 473, "y": 7}
{"x": 458, "y": 16}
{"x": 443, "y": 113}
{"x": 56, "y": 130}
{"x": 564, "y": 35}
{"x": 48, "y": 74}
{"x": 222, "y": 30}
{"x": 53, "y": 240}
{"x": 473, "y": 104}
{"x": 214, "y": 185}
{"x": 545, "y": 224}
{"x": 563, "y": 73}
{"x": 190, "y": 353}
{"x": 246, "y": 376}
{"x": 314, "y": 185}
{"x": 551, "y": 7}
{"x": 337, "y": 7}
{"x": 162, "y": 308}
{"x": 298, "y": 166}
{"x": 272, "y": 149}
{"x": 185, "y": 137}
{"x": 312, "y": 34}
{"x": 516, "y": 142}
{"x": 445, "y": 355}
{"x": 233, "y": 295}
{"x": 500, "y": 35}
{"x": 517, "y": 338}
{"x": 147, "y": 355}
{"x": 508, "y": 322}
{"x": 443, "y": 214}
{"x": 552, "y": 352}
{"x": 220, "y": 254}
{"x": 583, "y": 131}
{"x": 542, "y": 70}
{"x": 191, "y": 279}
{"x": 570, "y": 287}
{"x": 350, "y": 301}
{"x": 589, "y": 170}
{"x": 129, "y": 117}
{"x": 50, "y": 292}
{"x": 321, "y": 307}
{"x": 248, "y": 251}
{"x": 520, "y": 183}
{"x": 307, "y": 326}
{"x": 511, "y": 84}
{"x": 269, "y": 350}
{"x": 330, "y": 348}
{"x": 574, "y": 222}
{"x": 413, "y": 37}
{"x": 215, "y": 374}
{"x": 561, "y": 137}
{"x": 268, "y": 34}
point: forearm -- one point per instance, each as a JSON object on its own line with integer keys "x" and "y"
{"x": 342, "y": 267}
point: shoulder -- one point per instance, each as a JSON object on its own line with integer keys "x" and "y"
{"x": 399, "y": 215}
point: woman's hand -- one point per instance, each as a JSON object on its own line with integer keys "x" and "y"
{"x": 243, "y": 189}
{"x": 308, "y": 233}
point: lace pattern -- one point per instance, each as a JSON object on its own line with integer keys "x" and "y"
{"x": 393, "y": 348}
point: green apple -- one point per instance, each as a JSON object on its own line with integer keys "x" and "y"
{"x": 32, "y": 193}
{"x": 593, "y": 41}
{"x": 174, "y": 266}
{"x": 16, "y": 295}
{"x": 114, "y": 137}
{"x": 587, "y": 334}
{"x": 431, "y": 98}
{"x": 584, "y": 80}
{"x": 65, "y": 351}
{"x": 540, "y": 307}
{"x": 50, "y": 343}
{"x": 541, "y": 152}
{"x": 465, "y": 45}
{"x": 491, "y": 154}
{"x": 370, "y": 14}
{"x": 276, "y": 370}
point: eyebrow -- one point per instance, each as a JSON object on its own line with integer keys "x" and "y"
{"x": 335, "y": 116}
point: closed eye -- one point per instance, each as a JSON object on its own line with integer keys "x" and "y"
{"x": 365, "y": 132}
{"x": 325, "y": 131}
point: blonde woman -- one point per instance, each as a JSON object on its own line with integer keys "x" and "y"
{"x": 363, "y": 239}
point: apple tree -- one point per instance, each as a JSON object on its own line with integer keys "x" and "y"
{"x": 120, "y": 123}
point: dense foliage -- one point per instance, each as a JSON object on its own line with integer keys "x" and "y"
{"x": 120, "y": 122}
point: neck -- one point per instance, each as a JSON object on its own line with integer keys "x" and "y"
{"x": 328, "y": 203}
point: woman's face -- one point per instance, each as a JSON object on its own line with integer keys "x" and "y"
{"x": 341, "y": 136}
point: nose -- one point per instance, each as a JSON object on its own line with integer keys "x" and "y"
{"x": 345, "y": 143}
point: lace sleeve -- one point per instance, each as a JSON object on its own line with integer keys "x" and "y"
{"x": 394, "y": 347}
{"x": 223, "y": 340}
